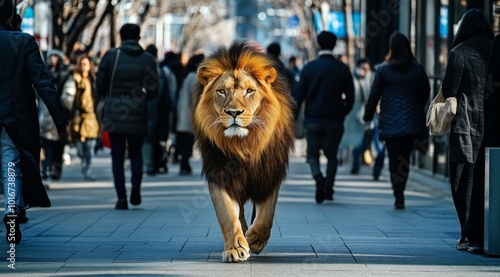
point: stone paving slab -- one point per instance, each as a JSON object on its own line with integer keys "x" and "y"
{"x": 174, "y": 231}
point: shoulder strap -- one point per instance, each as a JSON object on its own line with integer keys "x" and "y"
{"x": 113, "y": 72}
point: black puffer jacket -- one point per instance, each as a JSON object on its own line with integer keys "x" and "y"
{"x": 135, "y": 82}
{"x": 402, "y": 95}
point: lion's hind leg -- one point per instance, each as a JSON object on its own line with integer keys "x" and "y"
{"x": 228, "y": 212}
{"x": 258, "y": 234}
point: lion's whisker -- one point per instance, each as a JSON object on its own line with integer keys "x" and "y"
{"x": 259, "y": 122}
{"x": 218, "y": 121}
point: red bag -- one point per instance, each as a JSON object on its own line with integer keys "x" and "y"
{"x": 105, "y": 140}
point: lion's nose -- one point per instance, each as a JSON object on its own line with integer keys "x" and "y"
{"x": 234, "y": 113}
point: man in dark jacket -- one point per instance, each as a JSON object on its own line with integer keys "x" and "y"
{"x": 22, "y": 69}
{"x": 127, "y": 77}
{"x": 327, "y": 87}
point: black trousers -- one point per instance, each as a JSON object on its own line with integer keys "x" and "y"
{"x": 326, "y": 137}
{"x": 53, "y": 163}
{"x": 185, "y": 142}
{"x": 467, "y": 190}
{"x": 399, "y": 150}
{"x": 133, "y": 145}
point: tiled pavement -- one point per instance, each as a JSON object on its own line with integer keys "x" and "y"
{"x": 175, "y": 232}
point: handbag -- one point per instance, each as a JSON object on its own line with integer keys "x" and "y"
{"x": 100, "y": 106}
{"x": 440, "y": 114}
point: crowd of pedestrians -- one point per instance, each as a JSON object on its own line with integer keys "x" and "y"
{"x": 144, "y": 107}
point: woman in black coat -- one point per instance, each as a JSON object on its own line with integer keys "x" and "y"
{"x": 465, "y": 79}
{"x": 402, "y": 87}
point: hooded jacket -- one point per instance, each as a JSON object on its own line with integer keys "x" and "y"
{"x": 135, "y": 81}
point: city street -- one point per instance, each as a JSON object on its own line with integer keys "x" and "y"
{"x": 174, "y": 231}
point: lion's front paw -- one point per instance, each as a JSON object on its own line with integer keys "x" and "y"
{"x": 257, "y": 240}
{"x": 239, "y": 253}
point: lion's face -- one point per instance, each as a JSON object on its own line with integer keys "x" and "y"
{"x": 239, "y": 105}
{"x": 237, "y": 97}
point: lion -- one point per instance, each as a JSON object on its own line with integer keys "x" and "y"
{"x": 243, "y": 126}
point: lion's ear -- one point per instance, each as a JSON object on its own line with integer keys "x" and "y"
{"x": 206, "y": 74}
{"x": 271, "y": 75}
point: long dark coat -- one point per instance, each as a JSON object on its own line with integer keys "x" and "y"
{"x": 465, "y": 78}
{"x": 22, "y": 69}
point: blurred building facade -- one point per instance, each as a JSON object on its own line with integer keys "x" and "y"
{"x": 430, "y": 26}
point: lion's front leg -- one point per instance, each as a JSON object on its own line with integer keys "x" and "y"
{"x": 228, "y": 211}
{"x": 258, "y": 234}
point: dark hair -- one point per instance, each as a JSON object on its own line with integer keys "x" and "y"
{"x": 362, "y": 61}
{"x": 327, "y": 40}
{"x": 16, "y": 21}
{"x": 194, "y": 62}
{"x": 6, "y": 10}
{"x": 474, "y": 23}
{"x": 274, "y": 49}
{"x": 130, "y": 32}
{"x": 292, "y": 59}
{"x": 400, "y": 55}
{"x": 151, "y": 49}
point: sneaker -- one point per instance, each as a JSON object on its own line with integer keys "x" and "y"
{"x": 462, "y": 244}
{"x": 475, "y": 248}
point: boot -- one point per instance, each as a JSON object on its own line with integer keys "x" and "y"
{"x": 320, "y": 188}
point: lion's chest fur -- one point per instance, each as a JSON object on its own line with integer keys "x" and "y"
{"x": 245, "y": 180}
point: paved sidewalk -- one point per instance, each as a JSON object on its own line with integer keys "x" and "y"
{"x": 175, "y": 232}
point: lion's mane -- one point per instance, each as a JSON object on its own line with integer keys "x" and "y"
{"x": 254, "y": 166}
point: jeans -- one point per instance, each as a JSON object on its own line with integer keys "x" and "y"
{"x": 11, "y": 174}
{"x": 133, "y": 144}
{"x": 86, "y": 153}
{"x": 325, "y": 136}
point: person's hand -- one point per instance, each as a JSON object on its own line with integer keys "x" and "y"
{"x": 61, "y": 129}
{"x": 368, "y": 126}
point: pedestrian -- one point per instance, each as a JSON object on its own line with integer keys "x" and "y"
{"x": 365, "y": 134}
{"x": 184, "y": 108}
{"x": 52, "y": 144}
{"x": 401, "y": 86}
{"x": 326, "y": 86}
{"x": 465, "y": 79}
{"x": 22, "y": 72}
{"x": 294, "y": 68}
{"x": 159, "y": 108}
{"x": 83, "y": 126}
{"x": 354, "y": 127}
{"x": 274, "y": 50}
{"x": 127, "y": 78}
{"x": 174, "y": 70}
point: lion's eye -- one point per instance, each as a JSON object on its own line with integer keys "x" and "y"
{"x": 221, "y": 92}
{"x": 250, "y": 91}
